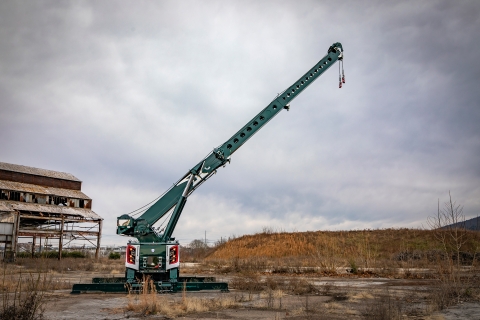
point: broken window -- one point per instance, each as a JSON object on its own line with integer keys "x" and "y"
{"x": 44, "y": 199}
{"x": 59, "y": 200}
{"x": 74, "y": 203}
{"x": 14, "y": 196}
{"x": 41, "y": 199}
{"x": 26, "y": 197}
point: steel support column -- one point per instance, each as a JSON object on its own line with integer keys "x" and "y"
{"x": 60, "y": 240}
{"x": 34, "y": 238}
{"x": 97, "y": 250}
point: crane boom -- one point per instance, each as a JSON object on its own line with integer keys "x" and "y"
{"x": 175, "y": 198}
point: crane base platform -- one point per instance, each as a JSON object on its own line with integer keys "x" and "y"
{"x": 120, "y": 284}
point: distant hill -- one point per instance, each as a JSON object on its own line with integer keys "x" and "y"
{"x": 471, "y": 224}
{"x": 346, "y": 245}
{"x": 384, "y": 243}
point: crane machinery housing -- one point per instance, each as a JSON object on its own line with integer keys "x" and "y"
{"x": 156, "y": 254}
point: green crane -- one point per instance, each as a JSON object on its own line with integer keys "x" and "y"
{"x": 156, "y": 254}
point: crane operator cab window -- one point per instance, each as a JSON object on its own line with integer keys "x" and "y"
{"x": 123, "y": 222}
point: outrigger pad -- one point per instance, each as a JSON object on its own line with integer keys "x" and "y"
{"x": 120, "y": 285}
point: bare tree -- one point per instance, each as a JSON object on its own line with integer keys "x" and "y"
{"x": 198, "y": 244}
{"x": 451, "y": 234}
{"x": 450, "y": 231}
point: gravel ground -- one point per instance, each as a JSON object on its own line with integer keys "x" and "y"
{"x": 346, "y": 298}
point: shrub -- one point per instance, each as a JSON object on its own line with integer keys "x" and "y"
{"x": 52, "y": 254}
{"x": 114, "y": 256}
{"x": 384, "y": 306}
{"x": 73, "y": 254}
{"x": 49, "y": 254}
{"x": 24, "y": 254}
{"x": 250, "y": 283}
{"x": 353, "y": 266}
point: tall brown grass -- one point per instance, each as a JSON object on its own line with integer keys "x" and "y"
{"x": 23, "y": 295}
{"x": 384, "y": 306}
{"x": 147, "y": 301}
{"x": 70, "y": 264}
{"x": 25, "y": 283}
{"x": 326, "y": 251}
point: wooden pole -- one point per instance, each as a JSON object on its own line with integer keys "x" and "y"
{"x": 97, "y": 250}
{"x": 15, "y": 237}
{"x": 60, "y": 240}
{"x": 34, "y": 238}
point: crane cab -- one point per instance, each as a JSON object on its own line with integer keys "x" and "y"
{"x": 125, "y": 225}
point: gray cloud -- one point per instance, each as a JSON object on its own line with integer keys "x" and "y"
{"x": 128, "y": 97}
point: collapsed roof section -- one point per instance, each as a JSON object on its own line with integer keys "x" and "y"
{"x": 46, "y": 211}
{"x": 42, "y": 190}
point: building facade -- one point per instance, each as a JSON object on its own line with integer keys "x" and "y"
{"x": 44, "y": 205}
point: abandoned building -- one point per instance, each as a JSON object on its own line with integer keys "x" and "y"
{"x": 43, "y": 208}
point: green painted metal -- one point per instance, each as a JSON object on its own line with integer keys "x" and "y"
{"x": 98, "y": 287}
{"x": 178, "y": 210}
{"x": 199, "y": 286}
{"x": 281, "y": 101}
{"x": 121, "y": 286}
{"x": 180, "y": 279}
{"x": 141, "y": 227}
{"x": 110, "y": 280}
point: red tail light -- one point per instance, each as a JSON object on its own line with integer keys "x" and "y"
{"x": 173, "y": 255}
{"x": 131, "y": 254}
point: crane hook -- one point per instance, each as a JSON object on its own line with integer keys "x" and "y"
{"x": 341, "y": 75}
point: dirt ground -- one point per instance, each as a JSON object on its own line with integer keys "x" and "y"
{"x": 334, "y": 298}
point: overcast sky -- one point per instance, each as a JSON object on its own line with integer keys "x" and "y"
{"x": 129, "y": 95}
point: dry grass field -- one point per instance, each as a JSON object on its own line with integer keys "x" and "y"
{"x": 328, "y": 252}
{"x": 367, "y": 274}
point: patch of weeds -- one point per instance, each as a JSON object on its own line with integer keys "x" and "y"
{"x": 384, "y": 306}
{"x": 326, "y": 289}
{"x": 274, "y": 283}
{"x": 444, "y": 295}
{"x": 250, "y": 283}
{"x": 25, "y": 300}
{"x": 353, "y": 266}
{"x": 340, "y": 296}
{"x": 114, "y": 256}
{"x": 301, "y": 286}
{"x": 280, "y": 269}
{"x": 148, "y": 302}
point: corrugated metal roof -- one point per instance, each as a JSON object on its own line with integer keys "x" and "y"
{"x": 33, "y": 188}
{"x": 47, "y": 208}
{"x": 37, "y": 171}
